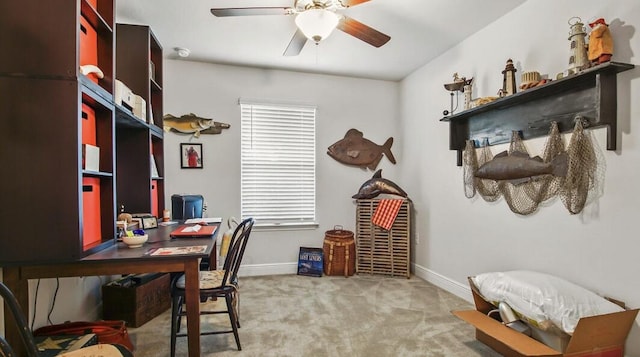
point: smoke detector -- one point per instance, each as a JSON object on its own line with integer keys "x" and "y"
{"x": 183, "y": 52}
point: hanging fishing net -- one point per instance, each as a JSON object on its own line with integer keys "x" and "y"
{"x": 469, "y": 166}
{"x": 584, "y": 175}
{"x": 471, "y": 161}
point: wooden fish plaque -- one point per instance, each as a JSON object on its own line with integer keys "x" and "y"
{"x": 355, "y": 150}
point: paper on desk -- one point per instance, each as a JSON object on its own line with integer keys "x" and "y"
{"x": 204, "y": 220}
{"x": 196, "y": 249}
{"x": 194, "y": 228}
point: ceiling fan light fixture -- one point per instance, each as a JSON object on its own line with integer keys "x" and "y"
{"x": 317, "y": 24}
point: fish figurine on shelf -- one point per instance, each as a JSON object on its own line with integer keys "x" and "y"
{"x": 192, "y": 124}
{"x": 377, "y": 185}
{"x": 355, "y": 150}
{"x": 519, "y": 167}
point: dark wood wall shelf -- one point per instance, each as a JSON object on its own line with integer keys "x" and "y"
{"x": 52, "y": 113}
{"x": 590, "y": 95}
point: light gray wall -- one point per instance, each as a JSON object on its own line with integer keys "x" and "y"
{"x": 212, "y": 91}
{"x": 76, "y": 299}
{"x": 459, "y": 237}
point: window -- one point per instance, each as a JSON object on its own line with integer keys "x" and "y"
{"x": 278, "y": 183}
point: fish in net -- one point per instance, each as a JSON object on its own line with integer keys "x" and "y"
{"x": 583, "y": 176}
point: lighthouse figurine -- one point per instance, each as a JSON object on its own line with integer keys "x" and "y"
{"x": 509, "y": 79}
{"x": 578, "y": 60}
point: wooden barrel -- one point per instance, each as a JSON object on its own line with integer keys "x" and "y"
{"x": 339, "y": 252}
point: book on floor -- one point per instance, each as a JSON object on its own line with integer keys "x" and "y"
{"x": 310, "y": 261}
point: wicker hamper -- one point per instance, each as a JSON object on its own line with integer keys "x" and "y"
{"x": 339, "y": 250}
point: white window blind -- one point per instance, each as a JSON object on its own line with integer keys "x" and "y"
{"x": 278, "y": 164}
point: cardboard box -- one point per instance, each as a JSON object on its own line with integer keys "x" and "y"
{"x": 154, "y": 198}
{"x": 91, "y": 226}
{"x": 88, "y": 125}
{"x": 124, "y": 96}
{"x": 136, "y": 299}
{"x": 88, "y": 46}
{"x": 601, "y": 336}
{"x": 139, "y": 108}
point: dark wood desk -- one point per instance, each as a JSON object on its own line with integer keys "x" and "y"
{"x": 118, "y": 259}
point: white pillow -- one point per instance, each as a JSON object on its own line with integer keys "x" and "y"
{"x": 543, "y": 298}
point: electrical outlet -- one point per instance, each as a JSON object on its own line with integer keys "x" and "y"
{"x": 417, "y": 238}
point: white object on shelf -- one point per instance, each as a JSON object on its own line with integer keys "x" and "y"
{"x": 154, "y": 168}
{"x": 90, "y": 157}
{"x": 124, "y": 96}
{"x": 139, "y": 107}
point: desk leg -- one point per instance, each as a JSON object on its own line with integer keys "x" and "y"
{"x": 192, "y": 297}
{"x": 19, "y": 288}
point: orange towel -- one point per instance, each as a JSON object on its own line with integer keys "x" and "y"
{"x": 386, "y": 213}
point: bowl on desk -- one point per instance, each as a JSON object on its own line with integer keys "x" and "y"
{"x": 135, "y": 241}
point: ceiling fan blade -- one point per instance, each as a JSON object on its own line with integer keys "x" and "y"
{"x": 349, "y": 3}
{"x": 296, "y": 44}
{"x": 251, "y": 11}
{"x": 363, "y": 32}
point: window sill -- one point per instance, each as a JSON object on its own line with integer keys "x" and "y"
{"x": 285, "y": 226}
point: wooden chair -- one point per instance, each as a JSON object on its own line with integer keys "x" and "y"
{"x": 30, "y": 343}
{"x": 215, "y": 284}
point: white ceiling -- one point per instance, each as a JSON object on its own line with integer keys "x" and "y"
{"x": 420, "y": 30}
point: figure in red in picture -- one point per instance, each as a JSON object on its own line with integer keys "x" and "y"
{"x": 193, "y": 159}
{"x": 600, "y": 42}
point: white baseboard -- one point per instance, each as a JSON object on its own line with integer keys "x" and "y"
{"x": 268, "y": 269}
{"x": 454, "y": 287}
{"x": 423, "y": 273}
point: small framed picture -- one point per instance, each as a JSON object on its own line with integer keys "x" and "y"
{"x": 191, "y": 155}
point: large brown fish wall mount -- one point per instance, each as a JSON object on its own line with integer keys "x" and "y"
{"x": 355, "y": 150}
{"x": 192, "y": 124}
{"x": 519, "y": 168}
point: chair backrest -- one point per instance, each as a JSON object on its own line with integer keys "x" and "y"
{"x": 23, "y": 327}
{"x": 186, "y": 206}
{"x": 236, "y": 250}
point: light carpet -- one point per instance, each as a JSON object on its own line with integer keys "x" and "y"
{"x": 363, "y": 315}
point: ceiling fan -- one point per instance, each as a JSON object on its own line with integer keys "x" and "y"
{"x": 315, "y": 19}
